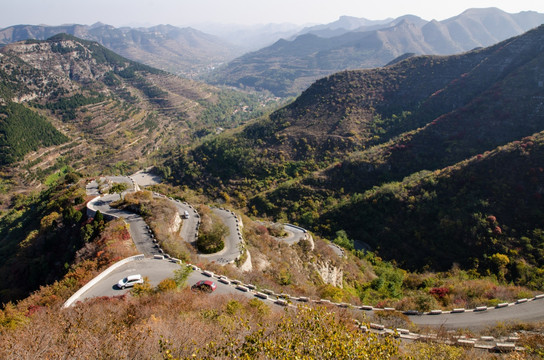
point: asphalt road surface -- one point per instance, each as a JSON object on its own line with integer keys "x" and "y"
{"x": 156, "y": 270}
{"x": 294, "y": 234}
{"x": 532, "y": 311}
{"x": 92, "y": 188}
{"x": 145, "y": 178}
{"x": 189, "y": 226}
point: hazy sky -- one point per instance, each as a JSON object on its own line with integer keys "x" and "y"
{"x": 191, "y": 12}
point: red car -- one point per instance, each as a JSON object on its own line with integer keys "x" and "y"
{"x": 204, "y": 285}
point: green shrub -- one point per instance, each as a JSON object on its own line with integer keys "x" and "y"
{"x": 210, "y": 242}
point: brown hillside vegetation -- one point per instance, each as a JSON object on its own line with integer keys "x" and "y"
{"x": 313, "y": 161}
{"x": 189, "y": 325}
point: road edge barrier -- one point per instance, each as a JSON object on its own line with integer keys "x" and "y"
{"x": 98, "y": 278}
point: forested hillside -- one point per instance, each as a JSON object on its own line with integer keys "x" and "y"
{"x": 314, "y": 160}
{"x": 40, "y": 237}
{"x": 23, "y": 131}
{"x": 480, "y": 210}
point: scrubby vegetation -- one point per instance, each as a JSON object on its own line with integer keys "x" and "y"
{"x": 211, "y": 233}
{"x": 188, "y": 325}
{"x": 170, "y": 323}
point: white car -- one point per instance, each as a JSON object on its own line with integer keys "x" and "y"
{"x": 129, "y": 281}
{"x": 185, "y": 214}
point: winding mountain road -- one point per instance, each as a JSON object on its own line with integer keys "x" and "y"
{"x": 142, "y": 237}
{"x": 137, "y": 226}
{"x": 157, "y": 270}
{"x": 190, "y": 225}
{"x": 233, "y": 240}
{"x": 294, "y": 234}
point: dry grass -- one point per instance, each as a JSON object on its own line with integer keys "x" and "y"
{"x": 127, "y": 327}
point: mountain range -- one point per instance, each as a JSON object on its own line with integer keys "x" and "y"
{"x": 351, "y": 140}
{"x": 289, "y": 66}
{"x": 434, "y": 162}
{"x": 183, "y": 51}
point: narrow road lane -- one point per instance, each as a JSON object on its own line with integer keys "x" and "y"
{"x": 532, "y": 311}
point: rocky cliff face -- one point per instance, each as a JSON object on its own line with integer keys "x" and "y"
{"x": 64, "y": 58}
{"x": 175, "y": 224}
{"x": 329, "y": 273}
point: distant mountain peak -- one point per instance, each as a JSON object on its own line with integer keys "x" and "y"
{"x": 97, "y": 24}
{"x": 482, "y": 11}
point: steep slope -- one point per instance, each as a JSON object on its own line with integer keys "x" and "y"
{"x": 484, "y": 27}
{"x": 288, "y": 67}
{"x": 498, "y": 101}
{"x": 111, "y": 107}
{"x": 183, "y": 51}
{"x": 490, "y": 204}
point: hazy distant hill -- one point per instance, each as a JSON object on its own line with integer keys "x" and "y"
{"x": 288, "y": 67}
{"x": 178, "y": 50}
{"x": 251, "y": 37}
{"x": 343, "y": 25}
{"x": 347, "y": 24}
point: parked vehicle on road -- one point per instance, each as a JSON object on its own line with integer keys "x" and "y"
{"x": 185, "y": 214}
{"x": 130, "y": 281}
{"x": 204, "y": 285}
